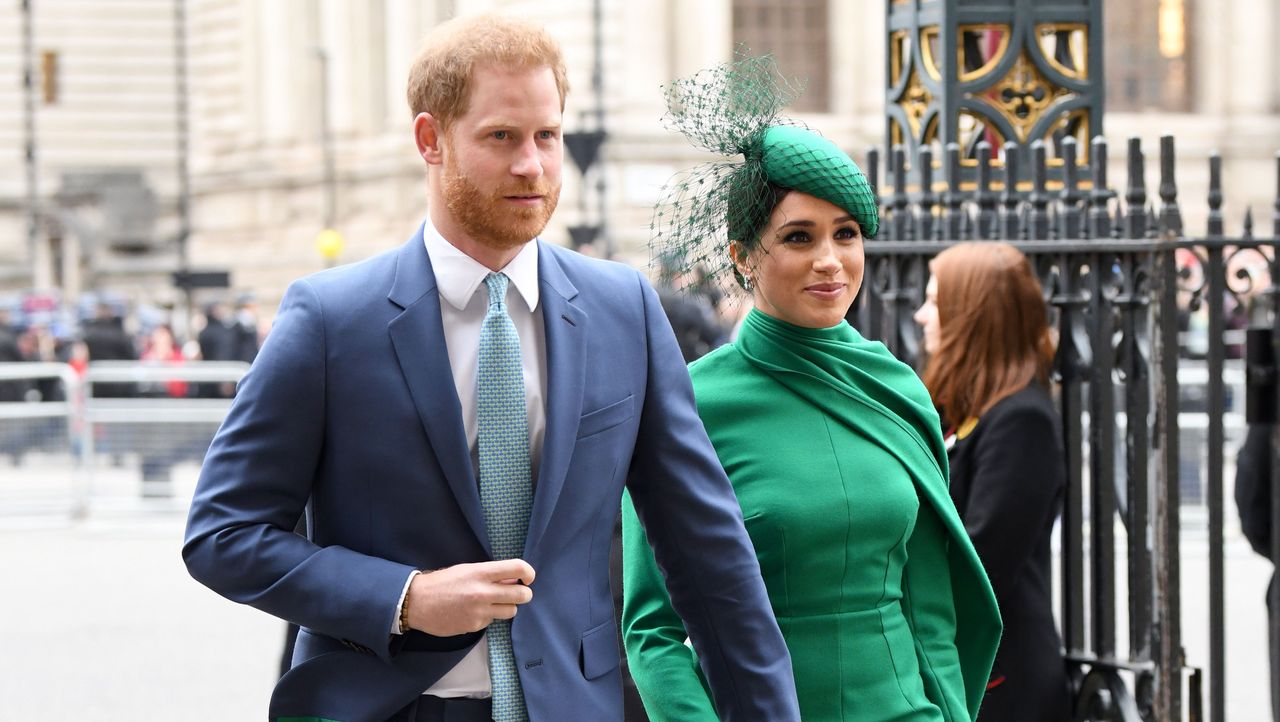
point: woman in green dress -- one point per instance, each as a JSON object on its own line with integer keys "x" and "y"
{"x": 832, "y": 445}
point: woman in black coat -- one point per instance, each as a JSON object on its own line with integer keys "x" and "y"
{"x": 1253, "y": 501}
{"x": 987, "y": 335}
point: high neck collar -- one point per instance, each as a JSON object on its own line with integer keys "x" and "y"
{"x": 762, "y": 322}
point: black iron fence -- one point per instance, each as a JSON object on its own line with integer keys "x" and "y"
{"x": 1123, "y": 281}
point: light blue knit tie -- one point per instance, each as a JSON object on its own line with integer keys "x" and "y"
{"x": 505, "y": 487}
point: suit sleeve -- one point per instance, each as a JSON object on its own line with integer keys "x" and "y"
{"x": 664, "y": 668}
{"x": 694, "y": 525}
{"x": 1015, "y": 486}
{"x": 929, "y": 606}
{"x": 255, "y": 483}
{"x": 1253, "y": 488}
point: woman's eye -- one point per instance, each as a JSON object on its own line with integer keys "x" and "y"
{"x": 847, "y": 233}
{"x": 796, "y": 237}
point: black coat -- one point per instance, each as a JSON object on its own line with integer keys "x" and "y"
{"x": 107, "y": 340}
{"x": 693, "y": 323}
{"x": 219, "y": 341}
{"x": 1253, "y": 488}
{"x": 1007, "y": 480}
{"x": 1253, "y": 500}
{"x": 11, "y": 391}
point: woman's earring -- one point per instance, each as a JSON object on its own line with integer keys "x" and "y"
{"x": 747, "y": 284}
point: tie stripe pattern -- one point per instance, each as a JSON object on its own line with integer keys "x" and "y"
{"x": 506, "y": 492}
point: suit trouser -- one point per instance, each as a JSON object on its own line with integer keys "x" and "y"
{"x": 438, "y": 709}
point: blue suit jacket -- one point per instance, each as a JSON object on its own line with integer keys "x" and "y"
{"x": 350, "y": 412}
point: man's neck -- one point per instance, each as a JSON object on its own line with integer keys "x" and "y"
{"x": 494, "y": 259}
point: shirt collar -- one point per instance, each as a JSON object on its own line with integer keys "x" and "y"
{"x": 459, "y": 275}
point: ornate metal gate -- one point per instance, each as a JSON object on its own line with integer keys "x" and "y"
{"x": 1117, "y": 275}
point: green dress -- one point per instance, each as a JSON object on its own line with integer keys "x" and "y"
{"x": 835, "y": 453}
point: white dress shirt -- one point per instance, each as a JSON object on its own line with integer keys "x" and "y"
{"x": 464, "y": 302}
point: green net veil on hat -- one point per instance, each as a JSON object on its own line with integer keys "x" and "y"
{"x": 735, "y": 110}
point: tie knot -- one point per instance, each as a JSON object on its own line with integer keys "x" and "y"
{"x": 497, "y": 284}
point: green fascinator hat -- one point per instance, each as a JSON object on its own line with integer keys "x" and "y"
{"x": 800, "y": 159}
{"x": 734, "y": 110}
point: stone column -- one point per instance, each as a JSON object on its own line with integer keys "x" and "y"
{"x": 1250, "y": 37}
{"x": 289, "y": 79}
{"x": 649, "y": 45}
{"x": 702, "y": 35}
{"x": 42, "y": 264}
{"x": 857, "y": 41}
{"x": 407, "y": 23}
{"x": 72, "y": 281}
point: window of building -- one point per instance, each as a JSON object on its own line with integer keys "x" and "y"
{"x": 796, "y": 33}
{"x": 1148, "y": 55}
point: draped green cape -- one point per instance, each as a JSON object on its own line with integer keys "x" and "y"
{"x": 859, "y": 384}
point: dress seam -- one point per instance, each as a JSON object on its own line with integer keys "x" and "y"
{"x": 848, "y": 526}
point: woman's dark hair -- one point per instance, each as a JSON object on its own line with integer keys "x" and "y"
{"x": 749, "y": 210}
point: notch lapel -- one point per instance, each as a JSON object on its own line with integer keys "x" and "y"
{"x": 565, "y": 325}
{"x": 417, "y": 335}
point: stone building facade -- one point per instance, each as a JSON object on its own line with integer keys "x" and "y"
{"x": 104, "y": 102}
{"x": 261, "y": 194}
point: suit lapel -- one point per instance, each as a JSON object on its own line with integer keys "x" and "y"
{"x": 565, "y": 326}
{"x": 417, "y": 335}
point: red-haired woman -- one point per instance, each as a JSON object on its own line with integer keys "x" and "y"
{"x": 989, "y": 347}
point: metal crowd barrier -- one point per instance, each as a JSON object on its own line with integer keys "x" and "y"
{"x": 37, "y": 422}
{"x": 122, "y": 435}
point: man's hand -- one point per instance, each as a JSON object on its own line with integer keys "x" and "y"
{"x": 467, "y": 597}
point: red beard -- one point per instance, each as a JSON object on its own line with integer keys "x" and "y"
{"x": 491, "y": 219}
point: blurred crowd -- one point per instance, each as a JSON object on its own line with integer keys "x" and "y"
{"x": 102, "y": 328}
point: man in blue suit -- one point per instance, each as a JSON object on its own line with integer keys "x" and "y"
{"x": 458, "y": 418}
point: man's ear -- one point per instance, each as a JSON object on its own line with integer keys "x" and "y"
{"x": 430, "y": 138}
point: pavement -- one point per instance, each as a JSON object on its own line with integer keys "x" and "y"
{"x": 99, "y": 621}
{"x": 1246, "y": 666}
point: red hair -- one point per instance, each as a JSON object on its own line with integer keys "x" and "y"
{"x": 994, "y": 329}
{"x": 440, "y": 77}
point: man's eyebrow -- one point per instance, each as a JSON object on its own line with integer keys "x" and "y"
{"x": 498, "y": 123}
